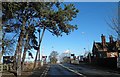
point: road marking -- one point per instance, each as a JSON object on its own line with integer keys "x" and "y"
{"x": 76, "y": 72}
{"x": 45, "y": 72}
{"x": 107, "y": 72}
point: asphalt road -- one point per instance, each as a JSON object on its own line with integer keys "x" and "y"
{"x": 91, "y": 72}
{"x": 71, "y": 70}
{"x": 57, "y": 70}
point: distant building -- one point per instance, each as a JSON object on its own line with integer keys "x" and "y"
{"x": 81, "y": 58}
{"x": 66, "y": 59}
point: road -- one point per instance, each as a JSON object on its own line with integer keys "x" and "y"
{"x": 59, "y": 70}
{"x": 91, "y": 71}
{"x": 71, "y": 70}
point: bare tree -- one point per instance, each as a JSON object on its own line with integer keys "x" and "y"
{"x": 114, "y": 23}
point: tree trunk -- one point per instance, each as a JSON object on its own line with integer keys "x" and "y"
{"x": 35, "y": 59}
{"x": 1, "y": 53}
{"x": 0, "y": 39}
{"x": 23, "y": 59}
{"x": 38, "y": 51}
{"x": 0, "y": 56}
{"x": 14, "y": 61}
{"x": 3, "y": 50}
{"x": 15, "y": 55}
{"x": 19, "y": 50}
{"x": 24, "y": 53}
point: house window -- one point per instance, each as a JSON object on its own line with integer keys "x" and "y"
{"x": 119, "y": 54}
{"x": 100, "y": 55}
{"x": 94, "y": 55}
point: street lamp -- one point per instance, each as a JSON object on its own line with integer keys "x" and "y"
{"x": 85, "y": 52}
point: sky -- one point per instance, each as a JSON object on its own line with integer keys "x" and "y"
{"x": 90, "y": 0}
{"x": 92, "y": 22}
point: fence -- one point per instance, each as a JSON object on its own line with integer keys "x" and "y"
{"x": 4, "y": 67}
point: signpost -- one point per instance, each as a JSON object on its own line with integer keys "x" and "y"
{"x": 43, "y": 60}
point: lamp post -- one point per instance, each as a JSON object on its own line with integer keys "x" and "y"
{"x": 85, "y": 52}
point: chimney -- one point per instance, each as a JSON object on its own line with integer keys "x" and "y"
{"x": 103, "y": 40}
{"x": 111, "y": 39}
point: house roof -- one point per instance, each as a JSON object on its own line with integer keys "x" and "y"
{"x": 109, "y": 46}
{"x": 98, "y": 45}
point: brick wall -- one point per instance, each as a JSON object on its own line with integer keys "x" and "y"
{"x": 107, "y": 62}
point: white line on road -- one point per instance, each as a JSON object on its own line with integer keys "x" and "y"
{"x": 45, "y": 71}
{"x": 76, "y": 72}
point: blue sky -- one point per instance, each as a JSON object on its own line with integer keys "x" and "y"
{"x": 91, "y": 21}
{"x": 89, "y": 0}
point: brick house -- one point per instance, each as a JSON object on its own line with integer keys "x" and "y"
{"x": 106, "y": 52}
{"x": 105, "y": 49}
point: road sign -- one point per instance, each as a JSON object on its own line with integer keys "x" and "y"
{"x": 44, "y": 56}
{"x": 72, "y": 54}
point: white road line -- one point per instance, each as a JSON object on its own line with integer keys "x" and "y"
{"x": 42, "y": 73}
{"x": 107, "y": 72}
{"x": 45, "y": 71}
{"x": 72, "y": 70}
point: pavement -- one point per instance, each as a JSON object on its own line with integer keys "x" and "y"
{"x": 36, "y": 73}
{"x": 93, "y": 66}
{"x": 39, "y": 72}
{"x": 7, "y": 74}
